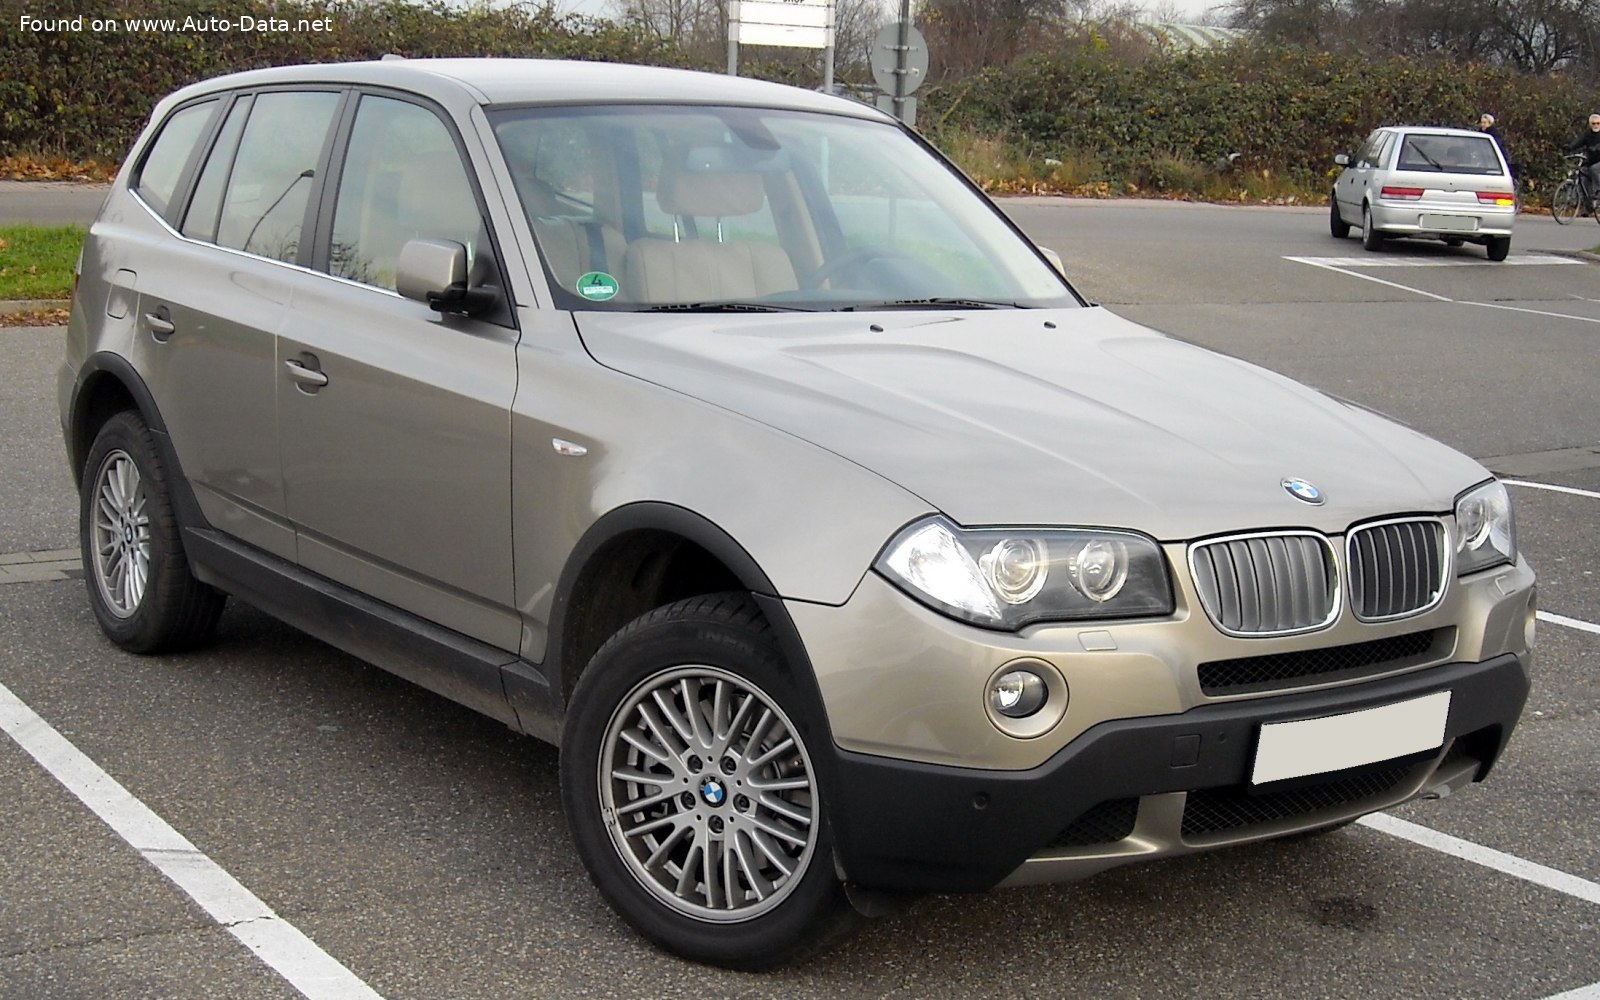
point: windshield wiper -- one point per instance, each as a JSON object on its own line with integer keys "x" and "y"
{"x": 1422, "y": 153}
{"x": 724, "y": 307}
{"x": 935, "y": 303}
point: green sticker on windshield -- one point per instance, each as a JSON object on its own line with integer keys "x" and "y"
{"x": 597, "y": 286}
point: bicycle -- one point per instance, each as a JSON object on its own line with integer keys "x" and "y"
{"x": 1573, "y": 193}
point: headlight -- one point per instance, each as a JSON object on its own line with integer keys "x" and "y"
{"x": 1485, "y": 533}
{"x": 1006, "y": 578}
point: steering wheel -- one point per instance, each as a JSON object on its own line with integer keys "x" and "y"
{"x": 854, "y": 258}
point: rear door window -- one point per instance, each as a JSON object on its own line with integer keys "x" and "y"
{"x": 264, "y": 201}
{"x": 164, "y": 165}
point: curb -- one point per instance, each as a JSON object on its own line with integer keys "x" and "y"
{"x": 11, "y": 306}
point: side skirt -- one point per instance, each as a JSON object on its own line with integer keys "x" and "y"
{"x": 445, "y": 662}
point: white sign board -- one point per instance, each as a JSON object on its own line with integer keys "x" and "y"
{"x": 804, "y": 25}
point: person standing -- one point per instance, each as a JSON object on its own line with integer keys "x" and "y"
{"x": 1487, "y": 126}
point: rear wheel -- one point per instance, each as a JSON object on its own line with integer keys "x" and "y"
{"x": 1336, "y": 224}
{"x": 1564, "y": 203}
{"x": 687, "y": 777}
{"x": 1370, "y": 237}
{"x": 139, "y": 583}
{"x": 1499, "y": 247}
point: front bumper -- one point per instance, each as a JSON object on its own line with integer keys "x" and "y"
{"x": 1150, "y": 758}
{"x": 1136, "y": 789}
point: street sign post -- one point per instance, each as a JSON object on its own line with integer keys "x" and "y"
{"x": 899, "y": 65}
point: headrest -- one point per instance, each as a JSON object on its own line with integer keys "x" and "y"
{"x": 711, "y": 193}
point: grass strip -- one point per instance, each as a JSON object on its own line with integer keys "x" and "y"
{"x": 36, "y": 261}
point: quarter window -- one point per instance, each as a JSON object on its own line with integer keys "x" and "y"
{"x": 163, "y": 167}
{"x": 201, "y": 220}
{"x": 264, "y": 205}
{"x": 403, "y": 179}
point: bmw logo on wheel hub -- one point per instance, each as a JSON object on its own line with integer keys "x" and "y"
{"x": 713, "y": 791}
{"x": 1303, "y": 491}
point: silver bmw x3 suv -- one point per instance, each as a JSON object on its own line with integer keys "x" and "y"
{"x": 725, "y": 436}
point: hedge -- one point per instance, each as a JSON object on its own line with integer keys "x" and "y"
{"x": 1282, "y": 110}
{"x": 82, "y": 94}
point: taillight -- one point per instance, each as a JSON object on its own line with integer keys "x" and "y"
{"x": 1401, "y": 194}
{"x": 1495, "y": 198}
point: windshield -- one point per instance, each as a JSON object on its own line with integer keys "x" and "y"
{"x": 671, "y": 208}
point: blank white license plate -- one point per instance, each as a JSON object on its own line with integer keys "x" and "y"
{"x": 1449, "y": 223}
{"x": 1335, "y": 742}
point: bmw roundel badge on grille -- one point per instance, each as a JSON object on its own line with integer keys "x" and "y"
{"x": 1303, "y": 491}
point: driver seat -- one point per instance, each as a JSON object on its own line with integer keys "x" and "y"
{"x": 699, "y": 270}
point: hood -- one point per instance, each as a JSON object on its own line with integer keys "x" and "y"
{"x": 1045, "y": 417}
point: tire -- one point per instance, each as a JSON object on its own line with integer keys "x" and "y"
{"x": 1499, "y": 247}
{"x": 1371, "y": 239}
{"x": 137, "y": 574}
{"x": 1564, "y": 203}
{"x": 659, "y": 708}
{"x": 1336, "y": 224}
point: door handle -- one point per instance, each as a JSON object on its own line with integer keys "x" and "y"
{"x": 160, "y": 324}
{"x": 309, "y": 378}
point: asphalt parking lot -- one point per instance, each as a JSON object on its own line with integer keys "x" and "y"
{"x": 420, "y": 849}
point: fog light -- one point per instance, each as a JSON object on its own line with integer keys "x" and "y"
{"x": 1017, "y": 694}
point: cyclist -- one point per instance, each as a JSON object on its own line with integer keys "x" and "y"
{"x": 1588, "y": 143}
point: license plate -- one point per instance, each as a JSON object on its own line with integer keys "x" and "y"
{"x": 1335, "y": 742}
{"x": 1449, "y": 223}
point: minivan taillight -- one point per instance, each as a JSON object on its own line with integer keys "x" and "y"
{"x": 1495, "y": 198}
{"x": 1402, "y": 194}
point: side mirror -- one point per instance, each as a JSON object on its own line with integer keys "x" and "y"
{"x": 1054, "y": 259}
{"x": 1342, "y": 159}
{"x": 435, "y": 272}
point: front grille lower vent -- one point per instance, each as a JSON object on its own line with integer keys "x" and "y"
{"x": 1224, "y": 810}
{"x": 1396, "y": 569}
{"x": 1267, "y": 584}
{"x": 1105, "y": 823}
{"x": 1276, "y": 671}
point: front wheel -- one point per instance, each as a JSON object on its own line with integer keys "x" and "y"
{"x": 1564, "y": 203}
{"x": 140, "y": 587}
{"x": 688, "y": 780}
{"x": 1336, "y": 224}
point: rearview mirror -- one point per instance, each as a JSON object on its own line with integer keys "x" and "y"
{"x": 1342, "y": 159}
{"x": 1054, "y": 259}
{"x": 435, "y": 272}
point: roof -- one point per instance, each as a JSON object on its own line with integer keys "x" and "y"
{"x": 544, "y": 81}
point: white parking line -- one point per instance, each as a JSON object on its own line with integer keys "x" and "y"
{"x": 1509, "y": 864}
{"x": 1555, "y": 619}
{"x": 1376, "y": 261}
{"x": 1553, "y": 488}
{"x": 1342, "y": 265}
{"x": 1528, "y": 871}
{"x": 295, "y": 957}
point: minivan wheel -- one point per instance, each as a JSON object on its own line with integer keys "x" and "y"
{"x": 1336, "y": 224}
{"x": 138, "y": 578}
{"x": 1371, "y": 239}
{"x": 1499, "y": 247}
{"x": 688, "y": 781}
